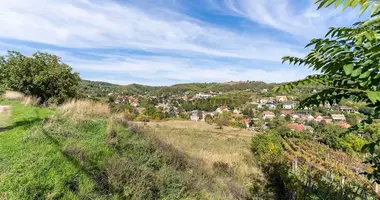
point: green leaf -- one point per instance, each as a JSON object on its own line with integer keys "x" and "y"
{"x": 373, "y": 96}
{"x": 354, "y": 3}
{"x": 348, "y": 69}
{"x": 364, "y": 7}
{"x": 346, "y": 4}
{"x": 374, "y": 8}
{"x": 337, "y": 4}
{"x": 365, "y": 74}
{"x": 356, "y": 72}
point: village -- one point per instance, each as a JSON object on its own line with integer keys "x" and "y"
{"x": 253, "y": 115}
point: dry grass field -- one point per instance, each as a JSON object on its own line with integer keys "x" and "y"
{"x": 229, "y": 147}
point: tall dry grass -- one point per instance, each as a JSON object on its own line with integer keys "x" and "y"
{"x": 13, "y": 95}
{"x": 25, "y": 99}
{"x": 82, "y": 109}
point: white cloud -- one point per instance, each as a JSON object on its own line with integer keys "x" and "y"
{"x": 85, "y": 24}
{"x": 284, "y": 15}
{"x": 161, "y": 70}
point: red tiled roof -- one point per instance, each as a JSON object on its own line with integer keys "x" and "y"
{"x": 296, "y": 127}
{"x": 268, "y": 113}
{"x": 343, "y": 124}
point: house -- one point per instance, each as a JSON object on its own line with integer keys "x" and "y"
{"x": 248, "y": 123}
{"x": 203, "y": 96}
{"x": 268, "y": 115}
{"x": 294, "y": 116}
{"x": 288, "y": 105}
{"x": 284, "y": 113}
{"x": 194, "y": 115}
{"x": 318, "y": 118}
{"x": 135, "y": 103}
{"x": 338, "y": 117}
{"x": 270, "y": 105}
{"x": 221, "y": 109}
{"x": 343, "y": 124}
{"x": 309, "y": 118}
{"x": 296, "y": 127}
{"x": 346, "y": 109}
{"x": 236, "y": 111}
{"x": 281, "y": 98}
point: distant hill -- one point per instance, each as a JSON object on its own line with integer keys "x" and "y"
{"x": 101, "y": 89}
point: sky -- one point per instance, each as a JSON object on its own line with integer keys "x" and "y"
{"x": 165, "y": 42}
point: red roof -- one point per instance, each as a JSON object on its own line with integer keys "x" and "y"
{"x": 245, "y": 121}
{"x": 234, "y": 115}
{"x": 296, "y": 127}
{"x": 268, "y": 113}
{"x": 343, "y": 124}
{"x": 287, "y": 112}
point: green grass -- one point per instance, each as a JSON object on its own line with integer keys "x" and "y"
{"x": 44, "y": 155}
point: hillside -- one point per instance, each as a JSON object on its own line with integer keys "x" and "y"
{"x": 102, "y": 89}
{"x": 81, "y": 151}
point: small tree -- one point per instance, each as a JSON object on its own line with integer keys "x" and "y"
{"x": 222, "y": 120}
{"x": 42, "y": 75}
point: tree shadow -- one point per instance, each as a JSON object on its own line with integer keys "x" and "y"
{"x": 86, "y": 166}
{"x": 23, "y": 123}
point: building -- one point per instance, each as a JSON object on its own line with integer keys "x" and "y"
{"x": 221, "y": 109}
{"x": 338, "y": 117}
{"x": 268, "y": 115}
{"x": 309, "y": 118}
{"x": 343, "y": 124}
{"x": 346, "y": 109}
{"x": 281, "y": 98}
{"x": 284, "y": 113}
{"x": 203, "y": 96}
{"x": 318, "y": 118}
{"x": 194, "y": 115}
{"x": 296, "y": 127}
{"x": 270, "y": 105}
{"x": 288, "y": 105}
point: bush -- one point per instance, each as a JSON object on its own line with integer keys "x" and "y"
{"x": 42, "y": 75}
{"x": 237, "y": 124}
{"x": 267, "y": 147}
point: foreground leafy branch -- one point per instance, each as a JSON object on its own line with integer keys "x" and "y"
{"x": 348, "y": 60}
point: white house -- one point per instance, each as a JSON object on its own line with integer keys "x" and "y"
{"x": 309, "y": 118}
{"x": 194, "y": 117}
{"x": 222, "y": 109}
{"x": 318, "y": 118}
{"x": 236, "y": 111}
{"x": 338, "y": 117}
{"x": 288, "y": 105}
{"x": 268, "y": 115}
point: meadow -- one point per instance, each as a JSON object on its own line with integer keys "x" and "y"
{"x": 81, "y": 151}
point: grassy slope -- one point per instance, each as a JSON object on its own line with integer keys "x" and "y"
{"x": 94, "y": 158}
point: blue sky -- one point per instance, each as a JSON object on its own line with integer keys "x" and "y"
{"x": 164, "y": 42}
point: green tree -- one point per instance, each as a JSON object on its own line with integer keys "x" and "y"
{"x": 352, "y": 119}
{"x": 348, "y": 59}
{"x": 43, "y": 75}
{"x": 221, "y": 120}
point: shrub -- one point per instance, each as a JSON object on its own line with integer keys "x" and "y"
{"x": 222, "y": 168}
{"x": 237, "y": 124}
{"x": 267, "y": 147}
